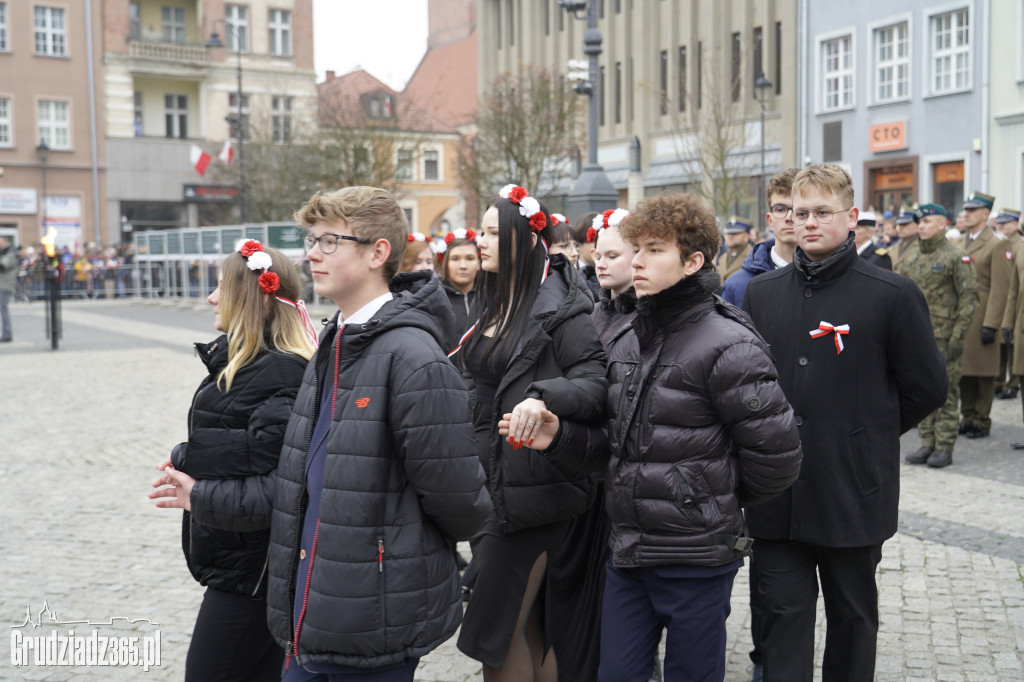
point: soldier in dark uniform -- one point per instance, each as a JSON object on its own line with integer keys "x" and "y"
{"x": 944, "y": 273}
{"x": 737, "y": 247}
{"x": 1008, "y": 383}
{"x": 862, "y": 238}
{"x": 981, "y": 355}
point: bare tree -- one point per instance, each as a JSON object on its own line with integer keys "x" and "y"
{"x": 526, "y": 130}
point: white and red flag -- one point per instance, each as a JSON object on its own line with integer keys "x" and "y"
{"x": 227, "y": 152}
{"x": 200, "y": 159}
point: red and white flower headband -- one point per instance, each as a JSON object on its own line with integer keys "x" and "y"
{"x": 557, "y": 218}
{"x": 528, "y": 206}
{"x": 258, "y": 259}
{"x": 439, "y": 246}
{"x": 417, "y": 237}
{"x": 602, "y": 221}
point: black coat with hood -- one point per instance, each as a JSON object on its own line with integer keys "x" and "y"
{"x": 559, "y": 360}
{"x": 233, "y": 436}
{"x": 699, "y": 428}
{"x": 462, "y": 308}
{"x": 613, "y": 316}
{"x": 401, "y": 481}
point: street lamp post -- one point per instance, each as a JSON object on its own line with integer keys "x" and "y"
{"x": 52, "y": 265}
{"x": 763, "y": 85}
{"x": 592, "y": 191}
{"x": 215, "y": 41}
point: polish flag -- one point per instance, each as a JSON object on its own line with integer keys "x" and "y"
{"x": 227, "y": 152}
{"x": 200, "y": 159}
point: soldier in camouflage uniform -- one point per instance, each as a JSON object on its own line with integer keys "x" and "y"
{"x": 950, "y": 285}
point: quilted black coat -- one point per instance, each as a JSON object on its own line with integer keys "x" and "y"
{"x": 233, "y": 436}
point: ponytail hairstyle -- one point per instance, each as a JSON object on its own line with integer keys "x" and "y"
{"x": 256, "y": 321}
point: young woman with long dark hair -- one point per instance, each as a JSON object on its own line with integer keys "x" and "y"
{"x": 533, "y": 349}
{"x": 236, "y": 429}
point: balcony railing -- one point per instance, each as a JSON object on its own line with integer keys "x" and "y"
{"x": 168, "y": 52}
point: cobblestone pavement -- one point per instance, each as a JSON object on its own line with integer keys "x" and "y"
{"x": 83, "y": 428}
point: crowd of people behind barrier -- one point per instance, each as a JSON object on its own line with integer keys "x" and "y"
{"x": 94, "y": 271}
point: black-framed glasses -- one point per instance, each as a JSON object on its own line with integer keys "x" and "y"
{"x": 329, "y": 242}
{"x": 822, "y": 216}
{"x": 780, "y": 211}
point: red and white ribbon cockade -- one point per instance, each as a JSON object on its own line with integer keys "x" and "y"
{"x": 826, "y": 328}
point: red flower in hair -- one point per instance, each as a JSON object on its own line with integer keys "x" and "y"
{"x": 517, "y": 194}
{"x": 538, "y": 221}
{"x": 411, "y": 238}
{"x": 607, "y": 214}
{"x": 449, "y": 238}
{"x": 591, "y": 234}
{"x": 471, "y": 235}
{"x": 269, "y": 282}
{"x": 250, "y": 247}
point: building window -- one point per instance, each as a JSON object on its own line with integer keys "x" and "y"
{"x": 618, "y": 92}
{"x": 233, "y": 115}
{"x": 280, "y": 33}
{"x": 682, "y": 78}
{"x": 173, "y": 24}
{"x": 837, "y": 70}
{"x": 737, "y": 49}
{"x": 4, "y": 45}
{"x": 134, "y": 22}
{"x": 832, "y": 141}
{"x": 758, "y": 57}
{"x": 778, "y": 57}
{"x": 176, "y": 116}
{"x": 137, "y": 114}
{"x": 237, "y": 33}
{"x": 403, "y": 165}
{"x": 361, "y": 162}
{"x": 630, "y": 89}
{"x": 55, "y": 124}
{"x": 892, "y": 63}
{"x": 281, "y": 119}
{"x": 5, "y": 122}
{"x": 618, "y": 6}
{"x": 431, "y": 167}
{"x": 663, "y": 82}
{"x": 700, "y": 72}
{"x": 546, "y": 10}
{"x": 951, "y": 51}
{"x": 601, "y": 91}
{"x": 51, "y": 31}
{"x": 511, "y": 22}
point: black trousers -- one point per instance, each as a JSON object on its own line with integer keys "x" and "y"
{"x": 788, "y": 590}
{"x": 231, "y": 641}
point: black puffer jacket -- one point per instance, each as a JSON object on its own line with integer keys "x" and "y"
{"x": 462, "y": 309}
{"x": 612, "y": 315}
{"x": 560, "y": 361}
{"x": 232, "y": 436}
{"x": 401, "y": 478}
{"x": 700, "y": 427}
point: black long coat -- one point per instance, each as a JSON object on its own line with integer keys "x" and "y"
{"x": 851, "y": 406}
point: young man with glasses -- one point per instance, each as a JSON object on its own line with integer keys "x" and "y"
{"x": 774, "y": 253}
{"x": 362, "y": 577}
{"x": 828, "y": 319}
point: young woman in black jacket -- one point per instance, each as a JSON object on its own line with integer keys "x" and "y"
{"x": 533, "y": 349}
{"x": 459, "y": 266}
{"x": 236, "y": 426}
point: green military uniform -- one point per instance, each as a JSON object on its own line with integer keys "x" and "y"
{"x": 950, "y": 285}
{"x": 900, "y": 251}
{"x": 1008, "y": 382}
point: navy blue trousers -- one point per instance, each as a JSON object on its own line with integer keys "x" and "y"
{"x": 690, "y": 603}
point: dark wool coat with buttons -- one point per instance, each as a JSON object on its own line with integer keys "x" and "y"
{"x": 233, "y": 436}
{"x": 700, "y": 427}
{"x": 401, "y": 476}
{"x": 851, "y": 406}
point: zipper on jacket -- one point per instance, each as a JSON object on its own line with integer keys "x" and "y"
{"x": 381, "y": 592}
{"x": 305, "y": 593}
{"x": 380, "y": 555}
{"x": 263, "y": 572}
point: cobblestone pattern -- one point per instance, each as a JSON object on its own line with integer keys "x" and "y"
{"x": 84, "y": 427}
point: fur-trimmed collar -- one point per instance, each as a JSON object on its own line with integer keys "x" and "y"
{"x": 664, "y": 307}
{"x": 624, "y": 303}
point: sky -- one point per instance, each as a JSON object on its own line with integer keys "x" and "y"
{"x": 385, "y": 37}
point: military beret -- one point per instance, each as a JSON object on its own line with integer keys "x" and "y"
{"x": 930, "y": 209}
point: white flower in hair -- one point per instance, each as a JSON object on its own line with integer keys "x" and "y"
{"x": 617, "y": 217}
{"x": 260, "y": 260}
{"x": 418, "y": 237}
{"x": 528, "y": 206}
{"x": 438, "y": 246}
{"x": 598, "y": 222}
{"x": 459, "y": 233}
{"x": 503, "y": 192}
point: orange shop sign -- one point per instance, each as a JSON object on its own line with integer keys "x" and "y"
{"x": 886, "y": 137}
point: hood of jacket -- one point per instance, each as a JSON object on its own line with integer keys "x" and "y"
{"x": 563, "y": 294}
{"x": 760, "y": 258}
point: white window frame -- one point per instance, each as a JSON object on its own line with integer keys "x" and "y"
{"x": 176, "y": 112}
{"x": 413, "y": 217}
{"x": 821, "y": 74}
{"x": 6, "y": 121}
{"x": 174, "y": 25}
{"x": 423, "y": 163}
{"x": 952, "y": 52}
{"x": 279, "y": 23}
{"x": 876, "y": 64}
{"x": 237, "y": 16}
{"x": 49, "y": 128}
{"x": 55, "y": 38}
{"x": 282, "y": 118}
{"x": 411, "y": 177}
{"x": 5, "y": 40}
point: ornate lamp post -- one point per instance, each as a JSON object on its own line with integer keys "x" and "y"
{"x": 216, "y": 42}
{"x": 763, "y": 85}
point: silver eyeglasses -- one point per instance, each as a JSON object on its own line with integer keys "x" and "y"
{"x": 329, "y": 242}
{"x": 780, "y": 211}
{"x": 822, "y": 216}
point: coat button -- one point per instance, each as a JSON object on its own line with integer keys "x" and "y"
{"x": 802, "y": 361}
{"x": 807, "y": 293}
{"x": 799, "y": 421}
{"x": 302, "y": 554}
